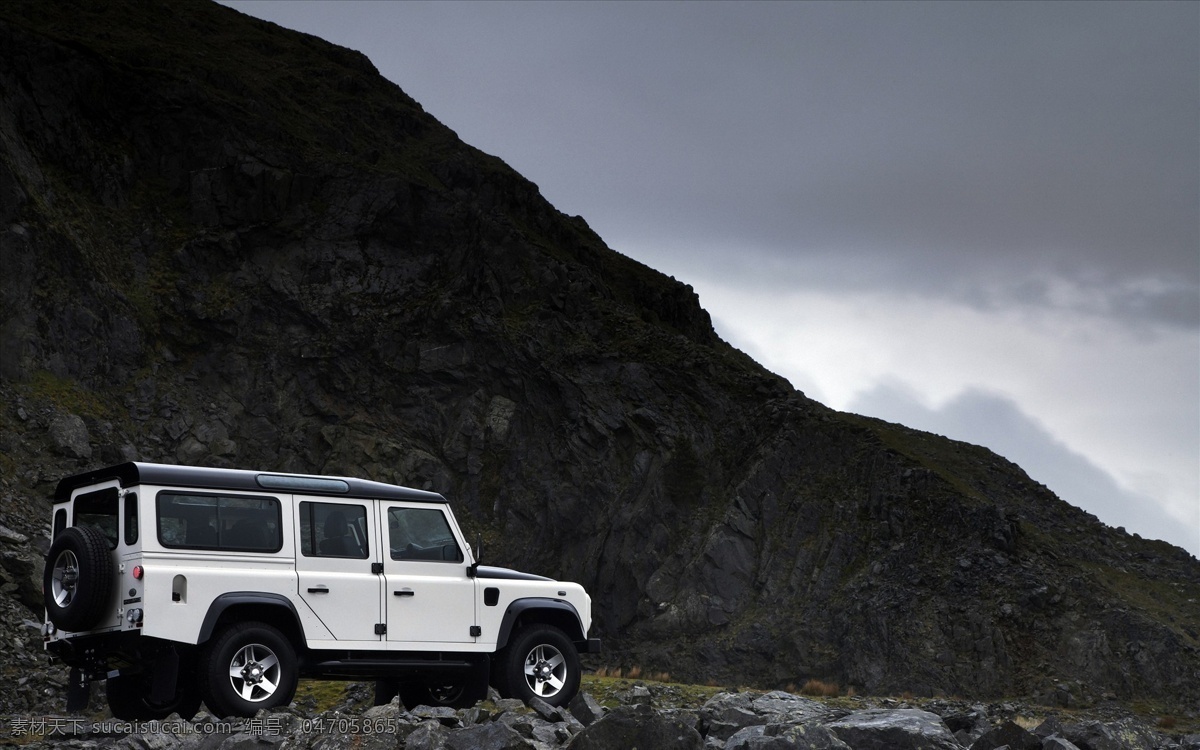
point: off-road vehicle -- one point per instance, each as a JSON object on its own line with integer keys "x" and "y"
{"x": 178, "y": 585}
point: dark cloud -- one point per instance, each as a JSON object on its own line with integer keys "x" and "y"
{"x": 967, "y": 143}
{"x": 966, "y": 138}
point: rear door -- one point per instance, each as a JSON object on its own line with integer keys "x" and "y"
{"x": 338, "y": 543}
{"x": 428, "y": 597}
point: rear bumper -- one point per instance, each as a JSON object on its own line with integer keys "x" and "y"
{"x": 94, "y": 650}
{"x": 590, "y": 646}
{"x": 104, "y": 656}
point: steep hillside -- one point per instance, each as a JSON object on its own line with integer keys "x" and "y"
{"x": 229, "y": 244}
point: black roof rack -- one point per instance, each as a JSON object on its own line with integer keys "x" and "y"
{"x": 203, "y": 477}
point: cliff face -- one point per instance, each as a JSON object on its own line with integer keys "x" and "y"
{"x": 229, "y": 244}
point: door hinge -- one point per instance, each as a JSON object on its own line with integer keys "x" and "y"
{"x": 381, "y": 628}
{"x": 377, "y": 568}
{"x": 476, "y": 631}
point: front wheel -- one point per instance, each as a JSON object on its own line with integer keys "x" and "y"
{"x": 248, "y": 667}
{"x": 541, "y": 662}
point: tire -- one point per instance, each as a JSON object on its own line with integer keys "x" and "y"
{"x": 248, "y": 667}
{"x": 451, "y": 694}
{"x": 541, "y": 662}
{"x": 79, "y": 578}
{"x": 456, "y": 691}
{"x": 128, "y": 700}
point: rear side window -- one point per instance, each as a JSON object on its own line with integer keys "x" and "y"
{"x": 333, "y": 530}
{"x": 131, "y": 518}
{"x": 98, "y": 509}
{"x": 219, "y": 522}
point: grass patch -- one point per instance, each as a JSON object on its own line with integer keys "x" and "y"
{"x": 1028, "y": 723}
{"x": 820, "y": 688}
{"x": 1162, "y": 600}
{"x": 321, "y": 695}
{"x": 610, "y": 690}
{"x": 634, "y": 673}
{"x": 66, "y": 394}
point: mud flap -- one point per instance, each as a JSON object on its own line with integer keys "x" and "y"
{"x": 165, "y": 677}
{"x": 79, "y": 691}
{"x": 386, "y": 689}
{"x": 477, "y": 681}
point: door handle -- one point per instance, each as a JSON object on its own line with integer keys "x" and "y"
{"x": 404, "y": 592}
{"x": 318, "y": 590}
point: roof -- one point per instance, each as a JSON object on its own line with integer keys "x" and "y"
{"x": 202, "y": 477}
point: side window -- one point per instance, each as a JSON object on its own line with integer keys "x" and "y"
{"x": 421, "y": 534}
{"x": 98, "y": 509}
{"x": 219, "y": 522}
{"x": 333, "y": 530}
{"x": 131, "y": 518}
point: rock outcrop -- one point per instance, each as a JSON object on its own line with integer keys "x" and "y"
{"x": 771, "y": 721}
{"x": 257, "y": 252}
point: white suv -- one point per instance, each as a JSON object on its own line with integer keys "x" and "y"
{"x": 180, "y": 584}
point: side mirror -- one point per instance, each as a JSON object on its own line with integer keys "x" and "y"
{"x": 478, "y": 555}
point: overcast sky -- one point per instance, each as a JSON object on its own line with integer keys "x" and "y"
{"x": 977, "y": 219}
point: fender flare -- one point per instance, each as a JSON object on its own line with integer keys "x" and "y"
{"x": 521, "y": 606}
{"x": 234, "y": 598}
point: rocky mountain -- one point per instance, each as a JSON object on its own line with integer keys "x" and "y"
{"x": 229, "y": 244}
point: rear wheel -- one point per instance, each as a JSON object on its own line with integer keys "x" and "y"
{"x": 451, "y": 694}
{"x": 541, "y": 662}
{"x": 248, "y": 667}
{"x": 78, "y": 579}
{"x": 461, "y": 690}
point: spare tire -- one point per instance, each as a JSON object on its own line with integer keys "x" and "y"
{"x": 79, "y": 578}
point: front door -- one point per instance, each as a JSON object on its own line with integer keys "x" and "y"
{"x": 427, "y": 594}
{"x": 337, "y": 544}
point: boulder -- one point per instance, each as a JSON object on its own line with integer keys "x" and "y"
{"x": 725, "y": 713}
{"x": 810, "y": 736}
{"x": 585, "y": 709}
{"x": 895, "y": 729}
{"x": 1008, "y": 735}
{"x": 491, "y": 736}
{"x": 69, "y": 436}
{"x": 1054, "y": 742}
{"x": 637, "y": 727}
{"x": 788, "y": 708}
{"x": 429, "y": 735}
{"x": 1120, "y": 735}
{"x": 968, "y": 725}
{"x": 1051, "y": 726}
